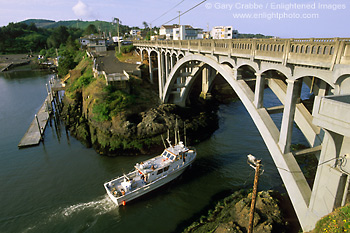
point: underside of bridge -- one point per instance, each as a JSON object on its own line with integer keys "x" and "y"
{"x": 314, "y": 98}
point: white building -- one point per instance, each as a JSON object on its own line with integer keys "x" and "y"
{"x": 223, "y": 32}
{"x": 182, "y": 32}
{"x": 93, "y": 40}
{"x": 133, "y": 32}
{"x": 167, "y": 31}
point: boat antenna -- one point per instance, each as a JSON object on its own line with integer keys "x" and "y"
{"x": 175, "y": 131}
{"x": 168, "y": 138}
{"x": 175, "y": 136}
{"x": 185, "y": 133}
{"x": 163, "y": 141}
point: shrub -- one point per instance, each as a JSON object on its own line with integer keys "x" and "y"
{"x": 115, "y": 101}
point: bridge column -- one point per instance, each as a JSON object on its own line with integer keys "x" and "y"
{"x": 160, "y": 74}
{"x": 167, "y": 64}
{"x": 150, "y": 67}
{"x": 205, "y": 82}
{"x": 322, "y": 89}
{"x": 329, "y": 187}
{"x": 292, "y": 96}
{"x": 171, "y": 61}
{"x": 208, "y": 76}
{"x": 142, "y": 57}
{"x": 259, "y": 91}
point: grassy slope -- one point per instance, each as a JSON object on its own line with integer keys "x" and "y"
{"x": 337, "y": 221}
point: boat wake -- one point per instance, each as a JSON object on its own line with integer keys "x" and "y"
{"x": 100, "y": 207}
{"x": 81, "y": 212}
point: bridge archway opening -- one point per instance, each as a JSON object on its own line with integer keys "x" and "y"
{"x": 313, "y": 86}
{"x": 174, "y": 59}
{"x": 246, "y": 72}
{"x": 144, "y": 55}
{"x": 273, "y": 97}
{"x": 221, "y": 90}
{"x": 343, "y": 84}
{"x": 228, "y": 64}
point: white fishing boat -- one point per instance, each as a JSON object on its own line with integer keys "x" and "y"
{"x": 151, "y": 174}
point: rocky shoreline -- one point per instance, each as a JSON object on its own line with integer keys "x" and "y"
{"x": 231, "y": 214}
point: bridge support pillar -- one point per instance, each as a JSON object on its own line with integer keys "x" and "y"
{"x": 330, "y": 182}
{"x": 207, "y": 78}
{"x": 160, "y": 74}
{"x": 259, "y": 91}
{"x": 292, "y": 97}
{"x": 167, "y": 63}
{"x": 150, "y": 68}
{"x": 322, "y": 89}
{"x": 172, "y": 61}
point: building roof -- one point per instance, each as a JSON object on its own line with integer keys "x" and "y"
{"x": 174, "y": 26}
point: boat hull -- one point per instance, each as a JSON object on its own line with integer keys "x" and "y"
{"x": 146, "y": 188}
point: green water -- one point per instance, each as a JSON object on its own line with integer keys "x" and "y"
{"x": 58, "y": 185}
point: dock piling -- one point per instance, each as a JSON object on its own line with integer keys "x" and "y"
{"x": 37, "y": 121}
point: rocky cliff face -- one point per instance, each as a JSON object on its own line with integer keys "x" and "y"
{"x": 138, "y": 128}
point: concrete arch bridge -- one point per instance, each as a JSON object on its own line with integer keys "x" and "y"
{"x": 285, "y": 66}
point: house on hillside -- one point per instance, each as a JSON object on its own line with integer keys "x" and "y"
{"x": 223, "y": 32}
{"x": 94, "y": 43}
{"x": 134, "y": 32}
{"x": 182, "y": 32}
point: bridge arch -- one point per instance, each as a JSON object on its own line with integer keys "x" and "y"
{"x": 307, "y": 61}
{"x": 343, "y": 84}
{"x": 252, "y": 64}
{"x": 224, "y": 70}
{"x": 278, "y": 68}
{"x": 321, "y": 74}
{"x": 180, "y": 55}
{"x": 228, "y": 61}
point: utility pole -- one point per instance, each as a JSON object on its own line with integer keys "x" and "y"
{"x": 150, "y": 31}
{"x": 118, "y": 22}
{"x": 256, "y": 165}
{"x": 179, "y": 17}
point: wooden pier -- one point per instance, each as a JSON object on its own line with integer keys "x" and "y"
{"x": 35, "y": 132}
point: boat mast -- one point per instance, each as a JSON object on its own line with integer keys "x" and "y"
{"x": 175, "y": 136}
{"x": 163, "y": 141}
{"x": 185, "y": 134}
{"x": 169, "y": 142}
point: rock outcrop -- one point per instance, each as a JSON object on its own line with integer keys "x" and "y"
{"x": 232, "y": 215}
{"x": 139, "y": 128}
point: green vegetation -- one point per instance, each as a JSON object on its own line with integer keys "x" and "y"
{"x": 337, "y": 221}
{"x": 35, "y": 35}
{"x": 84, "y": 80}
{"x": 82, "y": 25}
{"x": 91, "y": 29}
{"x": 23, "y": 38}
{"x": 112, "y": 102}
{"x": 123, "y": 50}
{"x": 250, "y": 36}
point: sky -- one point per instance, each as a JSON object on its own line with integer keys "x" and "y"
{"x": 280, "y": 18}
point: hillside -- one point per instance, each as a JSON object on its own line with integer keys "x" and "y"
{"x": 101, "y": 25}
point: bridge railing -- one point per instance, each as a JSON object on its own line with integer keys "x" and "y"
{"x": 323, "y": 52}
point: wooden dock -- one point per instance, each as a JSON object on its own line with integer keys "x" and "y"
{"x": 33, "y": 136}
{"x": 35, "y": 132}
